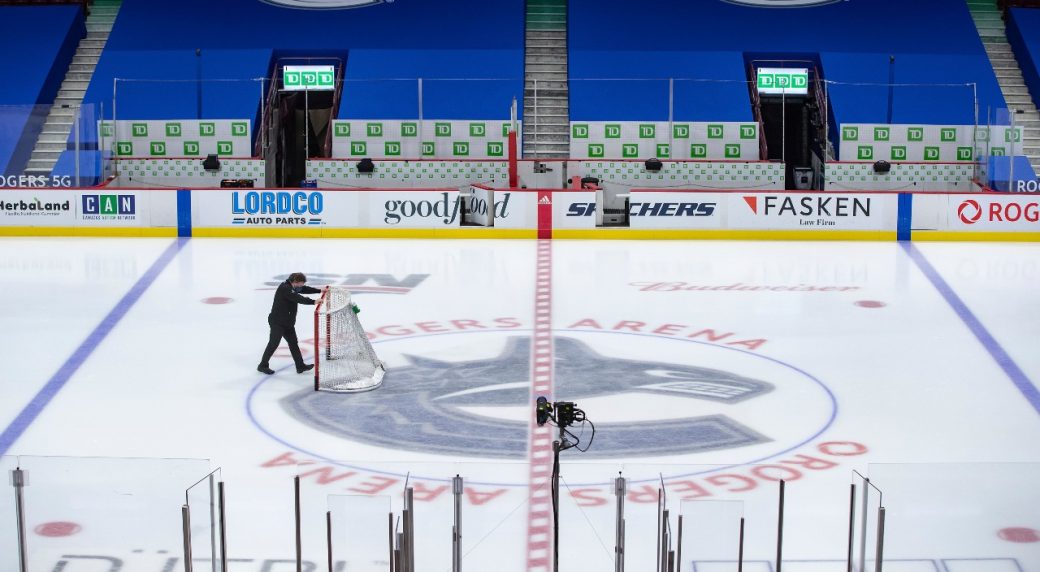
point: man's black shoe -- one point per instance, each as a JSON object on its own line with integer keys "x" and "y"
{"x": 306, "y": 367}
{"x": 264, "y": 369}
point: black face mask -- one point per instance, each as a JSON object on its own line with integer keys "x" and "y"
{"x": 297, "y": 290}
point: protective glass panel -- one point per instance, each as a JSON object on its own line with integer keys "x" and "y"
{"x": 116, "y": 510}
{"x": 711, "y": 535}
{"x": 360, "y": 534}
{"x": 206, "y": 530}
{"x": 8, "y": 522}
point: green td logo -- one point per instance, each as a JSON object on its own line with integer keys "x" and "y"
{"x": 596, "y": 150}
{"x": 157, "y": 148}
{"x": 428, "y": 149}
{"x": 947, "y": 134}
{"x": 881, "y": 133}
{"x": 477, "y": 130}
{"x": 715, "y": 131}
{"x": 173, "y": 129}
{"x": 505, "y": 130}
{"x": 225, "y": 148}
{"x": 409, "y": 129}
{"x": 982, "y": 133}
{"x": 1012, "y": 135}
{"x": 460, "y": 148}
{"x": 495, "y": 149}
{"x": 341, "y": 129}
{"x": 915, "y": 133}
{"x": 664, "y": 151}
{"x": 107, "y": 130}
{"x": 124, "y": 148}
{"x": 680, "y": 131}
{"x": 931, "y": 153}
{"x": 139, "y": 129}
{"x": 647, "y": 131}
{"x": 392, "y": 148}
{"x": 239, "y": 129}
{"x": 207, "y": 129}
{"x": 964, "y": 154}
{"x": 358, "y": 148}
{"x": 580, "y": 131}
{"x": 629, "y": 150}
{"x": 612, "y": 131}
{"x": 899, "y": 153}
{"x": 699, "y": 151}
{"x": 748, "y": 131}
{"x": 732, "y": 151}
{"x": 997, "y": 151}
{"x": 374, "y": 129}
{"x": 442, "y": 129}
{"x": 850, "y": 133}
{"x": 191, "y": 148}
{"x": 865, "y": 153}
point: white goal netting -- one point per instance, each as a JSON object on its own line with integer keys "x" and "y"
{"x": 343, "y": 357}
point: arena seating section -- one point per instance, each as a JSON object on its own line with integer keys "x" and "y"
{"x": 37, "y": 43}
{"x": 933, "y": 41}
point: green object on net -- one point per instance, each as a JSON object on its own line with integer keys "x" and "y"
{"x": 355, "y": 308}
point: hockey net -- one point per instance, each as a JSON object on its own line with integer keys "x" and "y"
{"x": 343, "y": 357}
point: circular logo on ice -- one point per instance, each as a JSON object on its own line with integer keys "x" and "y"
{"x": 782, "y": 3}
{"x": 969, "y": 211}
{"x": 467, "y": 394}
{"x": 326, "y": 4}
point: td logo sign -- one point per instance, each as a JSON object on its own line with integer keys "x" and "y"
{"x": 580, "y": 131}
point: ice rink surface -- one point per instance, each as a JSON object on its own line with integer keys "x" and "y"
{"x": 711, "y": 369}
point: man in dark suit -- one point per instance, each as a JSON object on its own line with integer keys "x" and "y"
{"x": 282, "y": 320}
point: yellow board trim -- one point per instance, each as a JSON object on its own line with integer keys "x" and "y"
{"x": 960, "y": 236}
{"x": 721, "y": 234}
{"x": 491, "y": 233}
{"x": 87, "y": 231}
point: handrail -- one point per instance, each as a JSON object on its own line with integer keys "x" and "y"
{"x": 756, "y": 109}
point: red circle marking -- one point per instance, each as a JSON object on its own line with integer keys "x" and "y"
{"x": 217, "y": 300}
{"x": 869, "y": 304}
{"x": 1019, "y": 534}
{"x": 58, "y": 528}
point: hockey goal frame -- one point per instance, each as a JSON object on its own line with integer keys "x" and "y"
{"x": 323, "y": 345}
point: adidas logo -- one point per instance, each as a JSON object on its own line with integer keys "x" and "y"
{"x": 544, "y": 200}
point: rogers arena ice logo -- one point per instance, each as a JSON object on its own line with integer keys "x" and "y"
{"x": 462, "y": 389}
{"x": 326, "y": 4}
{"x": 782, "y": 3}
{"x": 969, "y": 212}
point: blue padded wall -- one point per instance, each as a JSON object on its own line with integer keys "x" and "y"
{"x": 933, "y": 41}
{"x": 38, "y": 43}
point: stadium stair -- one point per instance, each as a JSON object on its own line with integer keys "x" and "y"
{"x": 990, "y": 24}
{"x": 546, "y": 120}
{"x": 55, "y": 134}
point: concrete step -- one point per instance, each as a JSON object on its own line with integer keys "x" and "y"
{"x": 1014, "y": 90}
{"x": 46, "y": 154}
{"x": 998, "y": 47}
{"x": 50, "y": 146}
{"x": 543, "y": 75}
{"x": 71, "y": 94}
{"x": 59, "y": 138}
{"x": 545, "y": 67}
{"x": 86, "y": 68}
{"x": 98, "y": 35}
{"x": 78, "y": 76}
{"x": 44, "y": 166}
{"x": 545, "y": 59}
{"x": 545, "y": 50}
{"x": 84, "y": 59}
{"x": 96, "y": 43}
{"x": 545, "y": 34}
{"x": 73, "y": 84}
{"x": 1010, "y": 75}
{"x": 95, "y": 27}
{"x": 88, "y": 51}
